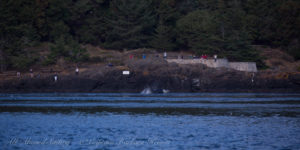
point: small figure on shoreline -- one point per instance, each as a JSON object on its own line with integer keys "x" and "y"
{"x": 252, "y": 78}
{"x": 31, "y": 73}
{"x": 76, "y": 70}
{"x": 215, "y": 57}
{"x": 165, "y": 55}
{"x": 110, "y": 64}
{"x": 55, "y": 77}
{"x": 18, "y": 74}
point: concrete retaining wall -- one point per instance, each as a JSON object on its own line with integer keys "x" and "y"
{"x": 240, "y": 66}
{"x": 243, "y": 66}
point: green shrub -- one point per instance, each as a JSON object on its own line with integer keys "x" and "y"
{"x": 70, "y": 51}
{"x": 23, "y": 62}
{"x": 77, "y": 53}
{"x": 49, "y": 61}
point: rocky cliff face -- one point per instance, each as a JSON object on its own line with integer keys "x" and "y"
{"x": 159, "y": 75}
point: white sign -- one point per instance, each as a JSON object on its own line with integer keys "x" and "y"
{"x": 126, "y": 72}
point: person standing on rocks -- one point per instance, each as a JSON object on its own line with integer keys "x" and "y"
{"x": 55, "y": 77}
{"x": 165, "y": 55}
{"x": 31, "y": 72}
{"x": 77, "y": 70}
{"x": 215, "y": 57}
{"x": 18, "y": 74}
{"x": 252, "y": 78}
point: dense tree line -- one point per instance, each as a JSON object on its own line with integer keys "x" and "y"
{"x": 224, "y": 27}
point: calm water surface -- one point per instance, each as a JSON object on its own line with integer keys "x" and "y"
{"x": 157, "y": 121}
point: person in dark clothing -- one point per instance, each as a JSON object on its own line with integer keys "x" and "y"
{"x": 110, "y": 65}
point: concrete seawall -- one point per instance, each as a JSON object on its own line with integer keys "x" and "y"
{"x": 243, "y": 66}
{"x": 240, "y": 66}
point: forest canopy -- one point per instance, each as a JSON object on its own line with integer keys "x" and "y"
{"x": 224, "y": 27}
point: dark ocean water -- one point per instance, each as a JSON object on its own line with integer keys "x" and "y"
{"x": 156, "y": 121}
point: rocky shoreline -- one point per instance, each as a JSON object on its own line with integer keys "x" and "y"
{"x": 158, "y": 76}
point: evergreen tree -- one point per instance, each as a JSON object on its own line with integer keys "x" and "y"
{"x": 165, "y": 36}
{"x": 225, "y": 27}
{"x": 199, "y": 31}
{"x": 58, "y": 16}
{"x": 288, "y": 22}
{"x": 88, "y": 21}
{"x": 187, "y": 6}
{"x": 17, "y": 31}
{"x": 261, "y": 21}
{"x": 130, "y": 24}
{"x": 68, "y": 49}
{"x": 236, "y": 43}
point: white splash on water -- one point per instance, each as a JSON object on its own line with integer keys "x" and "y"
{"x": 165, "y": 91}
{"x": 147, "y": 91}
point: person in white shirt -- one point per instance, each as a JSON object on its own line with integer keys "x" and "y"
{"x": 77, "y": 71}
{"x": 215, "y": 57}
{"x": 18, "y": 74}
{"x": 55, "y": 77}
